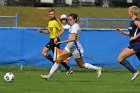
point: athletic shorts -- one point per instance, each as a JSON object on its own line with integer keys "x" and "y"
{"x": 50, "y": 45}
{"x": 135, "y": 46}
{"x": 138, "y": 55}
{"x": 75, "y": 48}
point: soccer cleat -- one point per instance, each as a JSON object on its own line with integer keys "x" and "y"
{"x": 134, "y": 75}
{"x": 45, "y": 77}
{"x": 99, "y": 72}
{"x": 69, "y": 72}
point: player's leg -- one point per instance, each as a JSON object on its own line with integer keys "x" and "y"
{"x": 46, "y": 49}
{"x": 122, "y": 60}
{"x": 65, "y": 54}
{"x": 81, "y": 64}
{"x": 46, "y": 54}
{"x": 68, "y": 69}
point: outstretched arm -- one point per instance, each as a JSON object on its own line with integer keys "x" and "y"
{"x": 122, "y": 32}
{"x": 43, "y": 31}
{"x": 73, "y": 38}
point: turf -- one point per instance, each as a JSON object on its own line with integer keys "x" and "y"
{"x": 79, "y": 82}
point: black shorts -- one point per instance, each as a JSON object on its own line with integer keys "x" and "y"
{"x": 51, "y": 45}
{"x": 135, "y": 46}
{"x": 138, "y": 55}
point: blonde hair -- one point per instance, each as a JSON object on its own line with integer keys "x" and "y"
{"x": 134, "y": 9}
{"x": 51, "y": 10}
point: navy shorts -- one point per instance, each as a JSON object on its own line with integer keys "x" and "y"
{"x": 135, "y": 46}
{"x": 50, "y": 45}
{"x": 138, "y": 55}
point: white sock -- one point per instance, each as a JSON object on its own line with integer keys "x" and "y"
{"x": 53, "y": 69}
{"x": 89, "y": 66}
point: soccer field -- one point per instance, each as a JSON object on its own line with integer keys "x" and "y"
{"x": 79, "y": 82}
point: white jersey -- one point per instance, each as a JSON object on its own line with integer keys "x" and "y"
{"x": 66, "y": 26}
{"x": 75, "y": 29}
{"x": 75, "y": 47}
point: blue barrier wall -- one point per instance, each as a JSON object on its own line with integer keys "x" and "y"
{"x": 23, "y": 46}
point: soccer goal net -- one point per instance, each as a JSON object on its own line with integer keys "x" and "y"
{"x": 104, "y": 23}
{"x": 9, "y": 21}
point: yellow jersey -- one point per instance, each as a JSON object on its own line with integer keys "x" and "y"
{"x": 54, "y": 27}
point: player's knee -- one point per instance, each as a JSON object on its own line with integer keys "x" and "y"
{"x": 44, "y": 53}
{"x": 120, "y": 59}
{"x": 60, "y": 59}
{"x": 81, "y": 66}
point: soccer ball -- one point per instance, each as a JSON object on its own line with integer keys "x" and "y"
{"x": 9, "y": 77}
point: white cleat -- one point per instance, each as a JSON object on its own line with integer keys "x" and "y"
{"x": 134, "y": 75}
{"x": 99, "y": 72}
{"x": 45, "y": 77}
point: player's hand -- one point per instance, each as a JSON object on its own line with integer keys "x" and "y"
{"x": 119, "y": 30}
{"x": 55, "y": 40}
{"x": 39, "y": 30}
{"x": 132, "y": 38}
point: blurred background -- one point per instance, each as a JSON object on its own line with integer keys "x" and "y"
{"x": 102, "y": 3}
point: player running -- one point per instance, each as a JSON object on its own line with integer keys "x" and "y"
{"x": 73, "y": 48}
{"x": 134, "y": 41}
{"x": 55, "y": 30}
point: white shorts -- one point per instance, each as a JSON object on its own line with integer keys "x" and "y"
{"x": 75, "y": 48}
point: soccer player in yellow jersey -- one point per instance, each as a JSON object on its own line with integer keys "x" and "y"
{"x": 55, "y": 30}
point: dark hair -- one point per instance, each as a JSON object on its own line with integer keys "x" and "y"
{"x": 51, "y": 10}
{"x": 74, "y": 16}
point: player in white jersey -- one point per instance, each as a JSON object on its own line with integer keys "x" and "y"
{"x": 73, "y": 48}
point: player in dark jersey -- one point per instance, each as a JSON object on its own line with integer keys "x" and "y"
{"x": 134, "y": 41}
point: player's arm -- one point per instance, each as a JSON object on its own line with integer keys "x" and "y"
{"x": 43, "y": 31}
{"x": 137, "y": 23}
{"x": 61, "y": 32}
{"x": 123, "y": 32}
{"x": 60, "y": 27}
{"x": 72, "y": 39}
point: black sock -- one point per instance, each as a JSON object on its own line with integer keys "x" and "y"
{"x": 126, "y": 64}
{"x": 66, "y": 66}
{"x": 49, "y": 57}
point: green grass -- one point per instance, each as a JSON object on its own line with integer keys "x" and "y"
{"x": 34, "y": 17}
{"x": 79, "y": 82}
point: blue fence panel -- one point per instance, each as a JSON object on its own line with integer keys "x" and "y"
{"x": 23, "y": 46}
{"x": 103, "y": 47}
